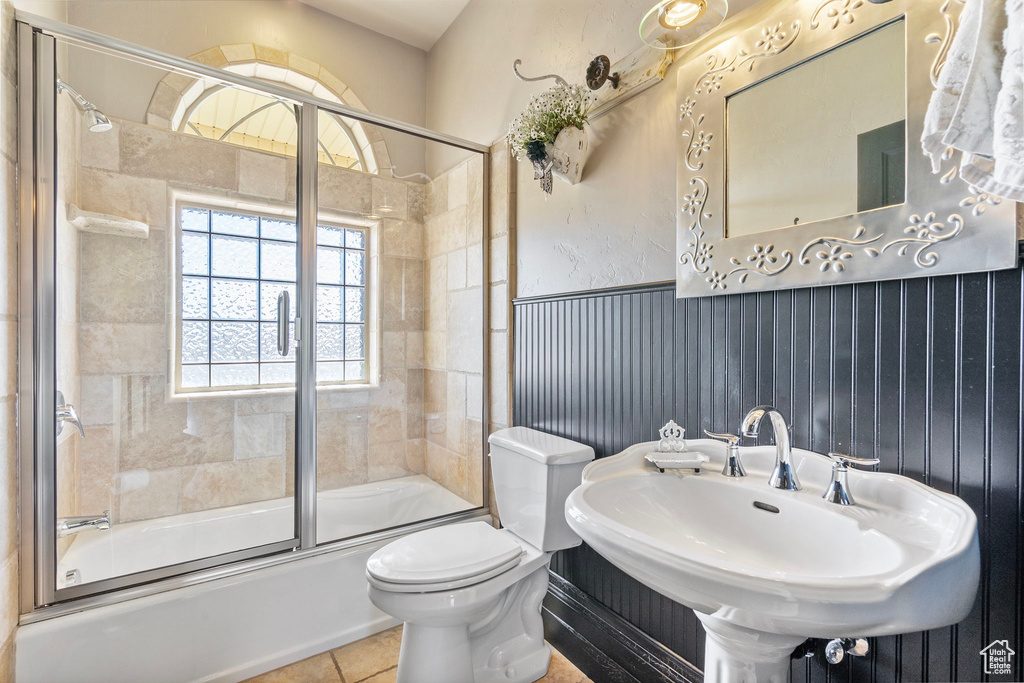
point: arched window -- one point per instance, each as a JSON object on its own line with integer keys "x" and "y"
{"x": 210, "y": 110}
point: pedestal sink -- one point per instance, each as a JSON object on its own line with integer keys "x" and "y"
{"x": 765, "y": 569}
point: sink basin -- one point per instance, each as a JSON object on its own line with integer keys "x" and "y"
{"x": 764, "y": 568}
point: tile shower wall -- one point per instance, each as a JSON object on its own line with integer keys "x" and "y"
{"x": 926, "y": 374}
{"x": 148, "y": 457}
{"x": 453, "y": 340}
{"x": 8, "y": 344}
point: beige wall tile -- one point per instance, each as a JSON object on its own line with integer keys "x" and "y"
{"x": 342, "y": 448}
{"x": 9, "y": 357}
{"x": 437, "y": 463}
{"x": 344, "y": 190}
{"x": 457, "y": 475}
{"x": 271, "y": 55}
{"x": 390, "y": 194}
{"x": 9, "y": 589}
{"x": 160, "y": 497}
{"x": 8, "y": 478}
{"x": 474, "y": 265}
{"x": 414, "y": 349}
{"x": 437, "y": 297}
{"x": 474, "y": 396}
{"x": 435, "y": 350}
{"x": 446, "y": 232}
{"x": 264, "y": 175}
{"x": 152, "y": 153}
{"x": 457, "y": 269}
{"x": 499, "y": 378}
{"x": 259, "y": 436}
{"x": 241, "y": 52}
{"x": 387, "y": 461}
{"x": 416, "y": 456}
{"x": 415, "y": 198}
{"x": 97, "y": 467}
{"x": 435, "y": 196}
{"x": 465, "y": 320}
{"x": 122, "y": 348}
{"x": 220, "y": 484}
{"x": 100, "y": 150}
{"x": 98, "y": 396}
{"x": 212, "y": 57}
{"x": 393, "y": 350}
{"x": 458, "y": 186}
{"x": 499, "y": 307}
{"x": 123, "y": 279}
{"x": 137, "y": 199}
{"x": 401, "y": 238}
{"x": 499, "y": 259}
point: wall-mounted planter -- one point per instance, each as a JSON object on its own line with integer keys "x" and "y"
{"x": 569, "y": 154}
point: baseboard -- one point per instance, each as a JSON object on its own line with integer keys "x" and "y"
{"x": 605, "y": 646}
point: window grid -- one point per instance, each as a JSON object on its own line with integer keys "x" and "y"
{"x": 342, "y": 365}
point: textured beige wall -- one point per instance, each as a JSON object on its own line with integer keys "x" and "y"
{"x": 453, "y": 341}
{"x": 147, "y": 456}
{"x": 8, "y": 342}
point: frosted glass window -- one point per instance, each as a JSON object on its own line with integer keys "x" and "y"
{"x": 234, "y": 265}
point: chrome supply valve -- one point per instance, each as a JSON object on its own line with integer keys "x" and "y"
{"x": 838, "y": 490}
{"x": 837, "y": 648}
{"x": 733, "y": 464}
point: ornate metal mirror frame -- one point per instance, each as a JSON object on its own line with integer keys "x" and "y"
{"x": 945, "y": 226}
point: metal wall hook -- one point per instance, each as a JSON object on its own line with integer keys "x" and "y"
{"x": 515, "y": 70}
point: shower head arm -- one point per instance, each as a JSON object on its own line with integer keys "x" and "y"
{"x": 80, "y": 102}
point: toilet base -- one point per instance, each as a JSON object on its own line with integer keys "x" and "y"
{"x": 504, "y": 644}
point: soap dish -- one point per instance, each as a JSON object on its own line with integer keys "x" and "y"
{"x": 687, "y": 460}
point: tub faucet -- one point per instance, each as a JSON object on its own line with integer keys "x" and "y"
{"x": 69, "y": 526}
{"x": 783, "y": 475}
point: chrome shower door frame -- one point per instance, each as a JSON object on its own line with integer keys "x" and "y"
{"x": 40, "y": 599}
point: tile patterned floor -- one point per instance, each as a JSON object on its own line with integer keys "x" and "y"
{"x": 375, "y": 660}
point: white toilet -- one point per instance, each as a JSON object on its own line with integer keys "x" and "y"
{"x": 470, "y": 594}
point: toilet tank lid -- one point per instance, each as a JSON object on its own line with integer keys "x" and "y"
{"x": 545, "y": 448}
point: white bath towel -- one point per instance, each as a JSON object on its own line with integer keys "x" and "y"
{"x": 977, "y": 106}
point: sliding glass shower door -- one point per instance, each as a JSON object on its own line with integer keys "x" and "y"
{"x": 245, "y": 329}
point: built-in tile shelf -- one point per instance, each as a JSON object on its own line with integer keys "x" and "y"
{"x": 106, "y": 224}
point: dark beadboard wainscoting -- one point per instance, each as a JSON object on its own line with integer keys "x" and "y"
{"x": 925, "y": 374}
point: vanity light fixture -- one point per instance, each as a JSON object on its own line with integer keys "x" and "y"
{"x": 672, "y": 24}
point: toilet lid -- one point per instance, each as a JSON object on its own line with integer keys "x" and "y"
{"x": 446, "y": 553}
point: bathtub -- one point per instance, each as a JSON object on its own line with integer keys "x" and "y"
{"x": 341, "y": 513}
{"x": 231, "y": 628}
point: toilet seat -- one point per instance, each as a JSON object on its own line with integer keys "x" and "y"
{"x": 443, "y": 558}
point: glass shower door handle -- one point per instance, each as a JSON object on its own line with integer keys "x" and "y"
{"x": 67, "y": 413}
{"x": 283, "y": 314}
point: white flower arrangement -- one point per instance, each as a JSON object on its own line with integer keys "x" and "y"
{"x": 548, "y": 113}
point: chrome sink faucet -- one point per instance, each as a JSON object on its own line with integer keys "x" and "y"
{"x": 783, "y": 475}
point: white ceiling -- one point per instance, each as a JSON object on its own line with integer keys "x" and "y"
{"x": 416, "y": 22}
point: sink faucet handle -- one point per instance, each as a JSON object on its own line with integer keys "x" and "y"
{"x": 838, "y": 490}
{"x": 843, "y": 460}
{"x": 730, "y": 439}
{"x": 733, "y": 465}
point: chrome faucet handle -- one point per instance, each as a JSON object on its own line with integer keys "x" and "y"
{"x": 838, "y": 490}
{"x": 730, "y": 439}
{"x": 67, "y": 413}
{"x": 733, "y": 465}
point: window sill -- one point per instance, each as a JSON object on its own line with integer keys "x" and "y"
{"x": 260, "y": 393}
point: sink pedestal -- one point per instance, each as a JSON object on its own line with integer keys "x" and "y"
{"x": 735, "y": 654}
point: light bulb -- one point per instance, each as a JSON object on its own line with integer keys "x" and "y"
{"x": 679, "y": 13}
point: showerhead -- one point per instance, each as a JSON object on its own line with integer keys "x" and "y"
{"x": 97, "y": 122}
{"x": 94, "y": 118}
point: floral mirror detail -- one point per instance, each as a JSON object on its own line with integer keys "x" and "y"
{"x": 550, "y": 133}
{"x": 749, "y": 196}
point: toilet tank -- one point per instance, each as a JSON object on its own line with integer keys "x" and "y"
{"x": 533, "y": 474}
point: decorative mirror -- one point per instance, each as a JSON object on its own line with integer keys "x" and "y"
{"x": 800, "y": 161}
